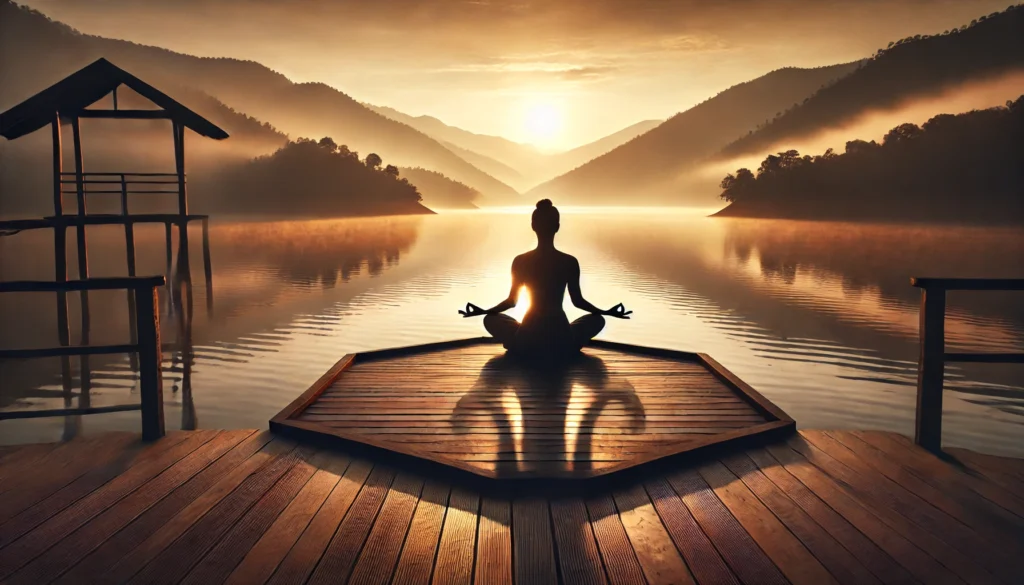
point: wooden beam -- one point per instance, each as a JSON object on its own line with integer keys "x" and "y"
{"x": 71, "y": 350}
{"x": 67, "y": 411}
{"x": 930, "y": 370}
{"x": 986, "y": 358}
{"x": 969, "y": 283}
{"x": 73, "y": 285}
{"x": 150, "y": 376}
{"x": 125, "y": 114}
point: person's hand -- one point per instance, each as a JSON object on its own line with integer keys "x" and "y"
{"x": 619, "y": 312}
{"x": 472, "y": 311}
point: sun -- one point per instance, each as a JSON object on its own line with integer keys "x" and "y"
{"x": 542, "y": 122}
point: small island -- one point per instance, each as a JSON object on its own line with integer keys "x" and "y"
{"x": 309, "y": 178}
{"x": 952, "y": 169}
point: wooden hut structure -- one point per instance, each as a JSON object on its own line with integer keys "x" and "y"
{"x": 68, "y": 102}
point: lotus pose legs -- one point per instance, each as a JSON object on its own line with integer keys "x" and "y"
{"x": 547, "y": 272}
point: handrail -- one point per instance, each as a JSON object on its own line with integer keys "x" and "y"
{"x": 147, "y": 332}
{"x": 117, "y": 174}
{"x": 933, "y": 358}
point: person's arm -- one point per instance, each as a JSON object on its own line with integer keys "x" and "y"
{"x": 575, "y": 294}
{"x": 513, "y": 294}
{"x": 618, "y": 311}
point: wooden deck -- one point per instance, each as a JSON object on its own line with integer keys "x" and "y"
{"x": 469, "y": 405}
{"x": 248, "y": 507}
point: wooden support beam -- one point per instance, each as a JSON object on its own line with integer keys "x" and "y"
{"x": 150, "y": 376}
{"x": 125, "y": 114}
{"x": 207, "y": 267}
{"x": 969, "y": 283}
{"x": 129, "y": 247}
{"x": 930, "y": 371}
{"x": 66, "y": 351}
{"x": 16, "y": 414}
{"x": 60, "y": 258}
{"x": 73, "y": 285}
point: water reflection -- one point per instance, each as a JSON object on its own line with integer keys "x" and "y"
{"x": 547, "y": 417}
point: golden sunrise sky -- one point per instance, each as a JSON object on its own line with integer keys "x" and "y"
{"x": 557, "y": 74}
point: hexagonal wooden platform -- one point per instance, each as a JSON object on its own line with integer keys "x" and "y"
{"x": 469, "y": 405}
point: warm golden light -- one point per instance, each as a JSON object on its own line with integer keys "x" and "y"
{"x": 542, "y": 122}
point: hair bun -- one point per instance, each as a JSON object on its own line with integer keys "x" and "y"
{"x": 544, "y": 204}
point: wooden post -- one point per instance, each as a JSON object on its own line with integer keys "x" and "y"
{"x": 60, "y": 259}
{"x": 184, "y": 267}
{"x": 150, "y": 375}
{"x": 83, "y": 259}
{"x": 928, "y": 425}
{"x": 170, "y": 257}
{"x": 129, "y": 246}
{"x": 207, "y": 266}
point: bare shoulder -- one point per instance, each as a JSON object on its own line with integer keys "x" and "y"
{"x": 570, "y": 261}
{"x": 522, "y": 259}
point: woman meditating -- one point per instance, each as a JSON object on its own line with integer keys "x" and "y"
{"x": 545, "y": 330}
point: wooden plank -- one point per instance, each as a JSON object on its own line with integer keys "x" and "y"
{"x": 651, "y": 542}
{"x": 739, "y": 550}
{"x": 578, "y": 557}
{"x": 377, "y": 561}
{"x": 861, "y": 546}
{"x": 993, "y": 469}
{"x": 142, "y": 527}
{"x": 620, "y": 562}
{"x": 533, "y": 545}
{"x": 340, "y": 556}
{"x": 118, "y": 482}
{"x": 81, "y": 542}
{"x": 930, "y": 369}
{"x": 219, "y": 562}
{"x": 303, "y": 557}
{"x": 494, "y": 543}
{"x": 785, "y": 550}
{"x": 260, "y": 468}
{"x": 969, "y": 283}
{"x": 264, "y": 557}
{"x": 457, "y": 547}
{"x": 842, "y": 565}
{"x": 174, "y": 562}
{"x": 881, "y": 503}
{"x": 872, "y": 484}
{"x": 941, "y": 474}
{"x": 703, "y": 561}
{"x": 58, "y": 468}
{"x": 416, "y": 563}
{"x": 989, "y": 521}
{"x": 867, "y": 519}
{"x": 311, "y": 393}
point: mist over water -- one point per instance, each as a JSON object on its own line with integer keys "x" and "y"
{"x": 819, "y": 317}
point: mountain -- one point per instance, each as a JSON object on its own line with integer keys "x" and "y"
{"x": 644, "y": 170}
{"x": 36, "y": 52}
{"x": 519, "y": 165}
{"x": 953, "y": 168}
{"x": 917, "y": 66}
{"x": 524, "y": 158}
{"x": 440, "y": 192}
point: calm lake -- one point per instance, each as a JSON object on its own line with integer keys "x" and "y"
{"x": 819, "y": 317}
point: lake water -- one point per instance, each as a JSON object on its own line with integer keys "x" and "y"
{"x": 819, "y": 317}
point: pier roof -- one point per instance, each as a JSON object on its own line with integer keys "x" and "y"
{"x": 72, "y": 95}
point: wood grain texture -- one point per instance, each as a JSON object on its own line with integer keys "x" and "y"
{"x": 469, "y": 405}
{"x": 242, "y": 507}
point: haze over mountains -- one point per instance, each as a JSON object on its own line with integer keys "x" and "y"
{"x": 652, "y": 162}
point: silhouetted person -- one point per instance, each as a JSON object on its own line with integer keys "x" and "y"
{"x": 545, "y": 330}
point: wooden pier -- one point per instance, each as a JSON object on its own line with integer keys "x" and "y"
{"x": 246, "y": 506}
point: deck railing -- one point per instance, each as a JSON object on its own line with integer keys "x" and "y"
{"x": 123, "y": 184}
{"x": 146, "y": 331}
{"x": 931, "y": 367}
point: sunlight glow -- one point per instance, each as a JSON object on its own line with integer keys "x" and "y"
{"x": 542, "y": 122}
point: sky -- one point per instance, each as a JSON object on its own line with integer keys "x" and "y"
{"x": 554, "y": 73}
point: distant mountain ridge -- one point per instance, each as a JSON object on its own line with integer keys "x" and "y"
{"x": 919, "y": 65}
{"x": 519, "y": 165}
{"x": 36, "y": 52}
{"x": 642, "y": 170}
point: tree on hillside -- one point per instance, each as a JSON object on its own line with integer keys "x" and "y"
{"x": 373, "y": 160}
{"x": 391, "y": 170}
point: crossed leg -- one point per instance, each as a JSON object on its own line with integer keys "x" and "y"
{"x": 504, "y": 328}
